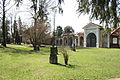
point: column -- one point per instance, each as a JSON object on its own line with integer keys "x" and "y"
{"x": 119, "y": 41}
{"x": 98, "y": 39}
{"x": 108, "y": 39}
{"x": 78, "y": 40}
{"x": 85, "y": 38}
{"x": 75, "y": 42}
{"x": 63, "y": 41}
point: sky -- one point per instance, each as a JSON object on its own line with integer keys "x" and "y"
{"x": 70, "y": 17}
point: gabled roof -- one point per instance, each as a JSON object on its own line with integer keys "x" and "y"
{"x": 92, "y": 24}
{"x": 116, "y": 30}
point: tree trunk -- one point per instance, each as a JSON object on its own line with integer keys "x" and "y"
{"x": 3, "y": 26}
{"x": 36, "y": 47}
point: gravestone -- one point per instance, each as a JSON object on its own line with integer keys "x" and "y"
{"x": 53, "y": 55}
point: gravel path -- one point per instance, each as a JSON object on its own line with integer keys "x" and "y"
{"x": 114, "y": 79}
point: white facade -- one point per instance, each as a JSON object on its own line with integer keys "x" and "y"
{"x": 95, "y": 29}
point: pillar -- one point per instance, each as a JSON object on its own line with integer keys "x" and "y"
{"x": 108, "y": 40}
{"x": 98, "y": 39}
{"x": 78, "y": 40}
{"x": 75, "y": 42}
{"x": 119, "y": 41}
{"x": 85, "y": 36}
{"x": 63, "y": 41}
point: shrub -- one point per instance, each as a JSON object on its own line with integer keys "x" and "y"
{"x": 65, "y": 55}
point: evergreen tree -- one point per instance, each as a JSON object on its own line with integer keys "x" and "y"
{"x": 68, "y": 29}
{"x": 7, "y": 25}
{"x": 59, "y": 31}
{"x": 106, "y": 11}
{"x": 20, "y": 30}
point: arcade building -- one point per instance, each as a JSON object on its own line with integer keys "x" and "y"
{"x": 93, "y": 36}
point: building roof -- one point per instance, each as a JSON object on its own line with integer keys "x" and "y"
{"x": 91, "y": 24}
{"x": 116, "y": 31}
{"x": 69, "y": 34}
{"x": 80, "y": 33}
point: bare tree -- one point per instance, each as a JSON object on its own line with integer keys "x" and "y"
{"x": 40, "y": 11}
{"x": 39, "y": 8}
{"x": 42, "y": 33}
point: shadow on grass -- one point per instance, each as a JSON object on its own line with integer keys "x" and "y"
{"x": 2, "y": 46}
{"x": 14, "y": 50}
{"x": 22, "y": 51}
{"x": 85, "y": 47}
{"x": 67, "y": 66}
{"x": 110, "y": 48}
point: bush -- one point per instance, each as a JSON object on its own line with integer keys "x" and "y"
{"x": 65, "y": 55}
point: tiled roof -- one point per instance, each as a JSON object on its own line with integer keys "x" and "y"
{"x": 80, "y": 33}
{"x": 69, "y": 34}
{"x": 115, "y": 30}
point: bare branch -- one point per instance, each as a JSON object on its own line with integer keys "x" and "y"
{"x": 1, "y": 2}
{"x": 0, "y": 17}
{"x": 7, "y": 3}
{"x": 1, "y": 7}
{"x": 11, "y": 7}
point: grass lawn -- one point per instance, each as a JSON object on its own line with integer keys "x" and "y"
{"x": 18, "y": 62}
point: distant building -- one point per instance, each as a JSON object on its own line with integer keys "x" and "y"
{"x": 69, "y": 39}
{"x": 115, "y": 38}
{"x": 80, "y": 39}
{"x": 95, "y": 36}
{"x": 92, "y": 35}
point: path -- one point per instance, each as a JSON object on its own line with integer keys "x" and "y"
{"x": 114, "y": 79}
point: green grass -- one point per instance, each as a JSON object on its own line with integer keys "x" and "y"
{"x": 19, "y": 62}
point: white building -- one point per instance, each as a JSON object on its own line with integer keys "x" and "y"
{"x": 93, "y": 36}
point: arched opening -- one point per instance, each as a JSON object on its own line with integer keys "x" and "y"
{"x": 65, "y": 41}
{"x": 60, "y": 41}
{"x": 70, "y": 41}
{"x": 91, "y": 40}
{"x": 81, "y": 41}
{"x": 76, "y": 41}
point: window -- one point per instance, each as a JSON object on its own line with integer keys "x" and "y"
{"x": 114, "y": 40}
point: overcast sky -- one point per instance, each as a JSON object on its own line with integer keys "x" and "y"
{"x": 69, "y": 16}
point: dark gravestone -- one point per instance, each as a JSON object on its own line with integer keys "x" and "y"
{"x": 53, "y": 55}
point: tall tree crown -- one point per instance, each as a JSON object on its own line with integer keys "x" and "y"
{"x": 107, "y": 11}
{"x": 68, "y": 29}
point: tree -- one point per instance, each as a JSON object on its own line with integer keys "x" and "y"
{"x": 10, "y": 15}
{"x": 7, "y": 25}
{"x": 59, "y": 31}
{"x": 106, "y": 11}
{"x": 68, "y": 29}
{"x": 4, "y": 6}
{"x": 40, "y": 9}
{"x": 0, "y": 36}
{"x": 15, "y": 31}
{"x": 40, "y": 12}
{"x": 42, "y": 33}
{"x": 3, "y": 23}
{"x": 20, "y": 30}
